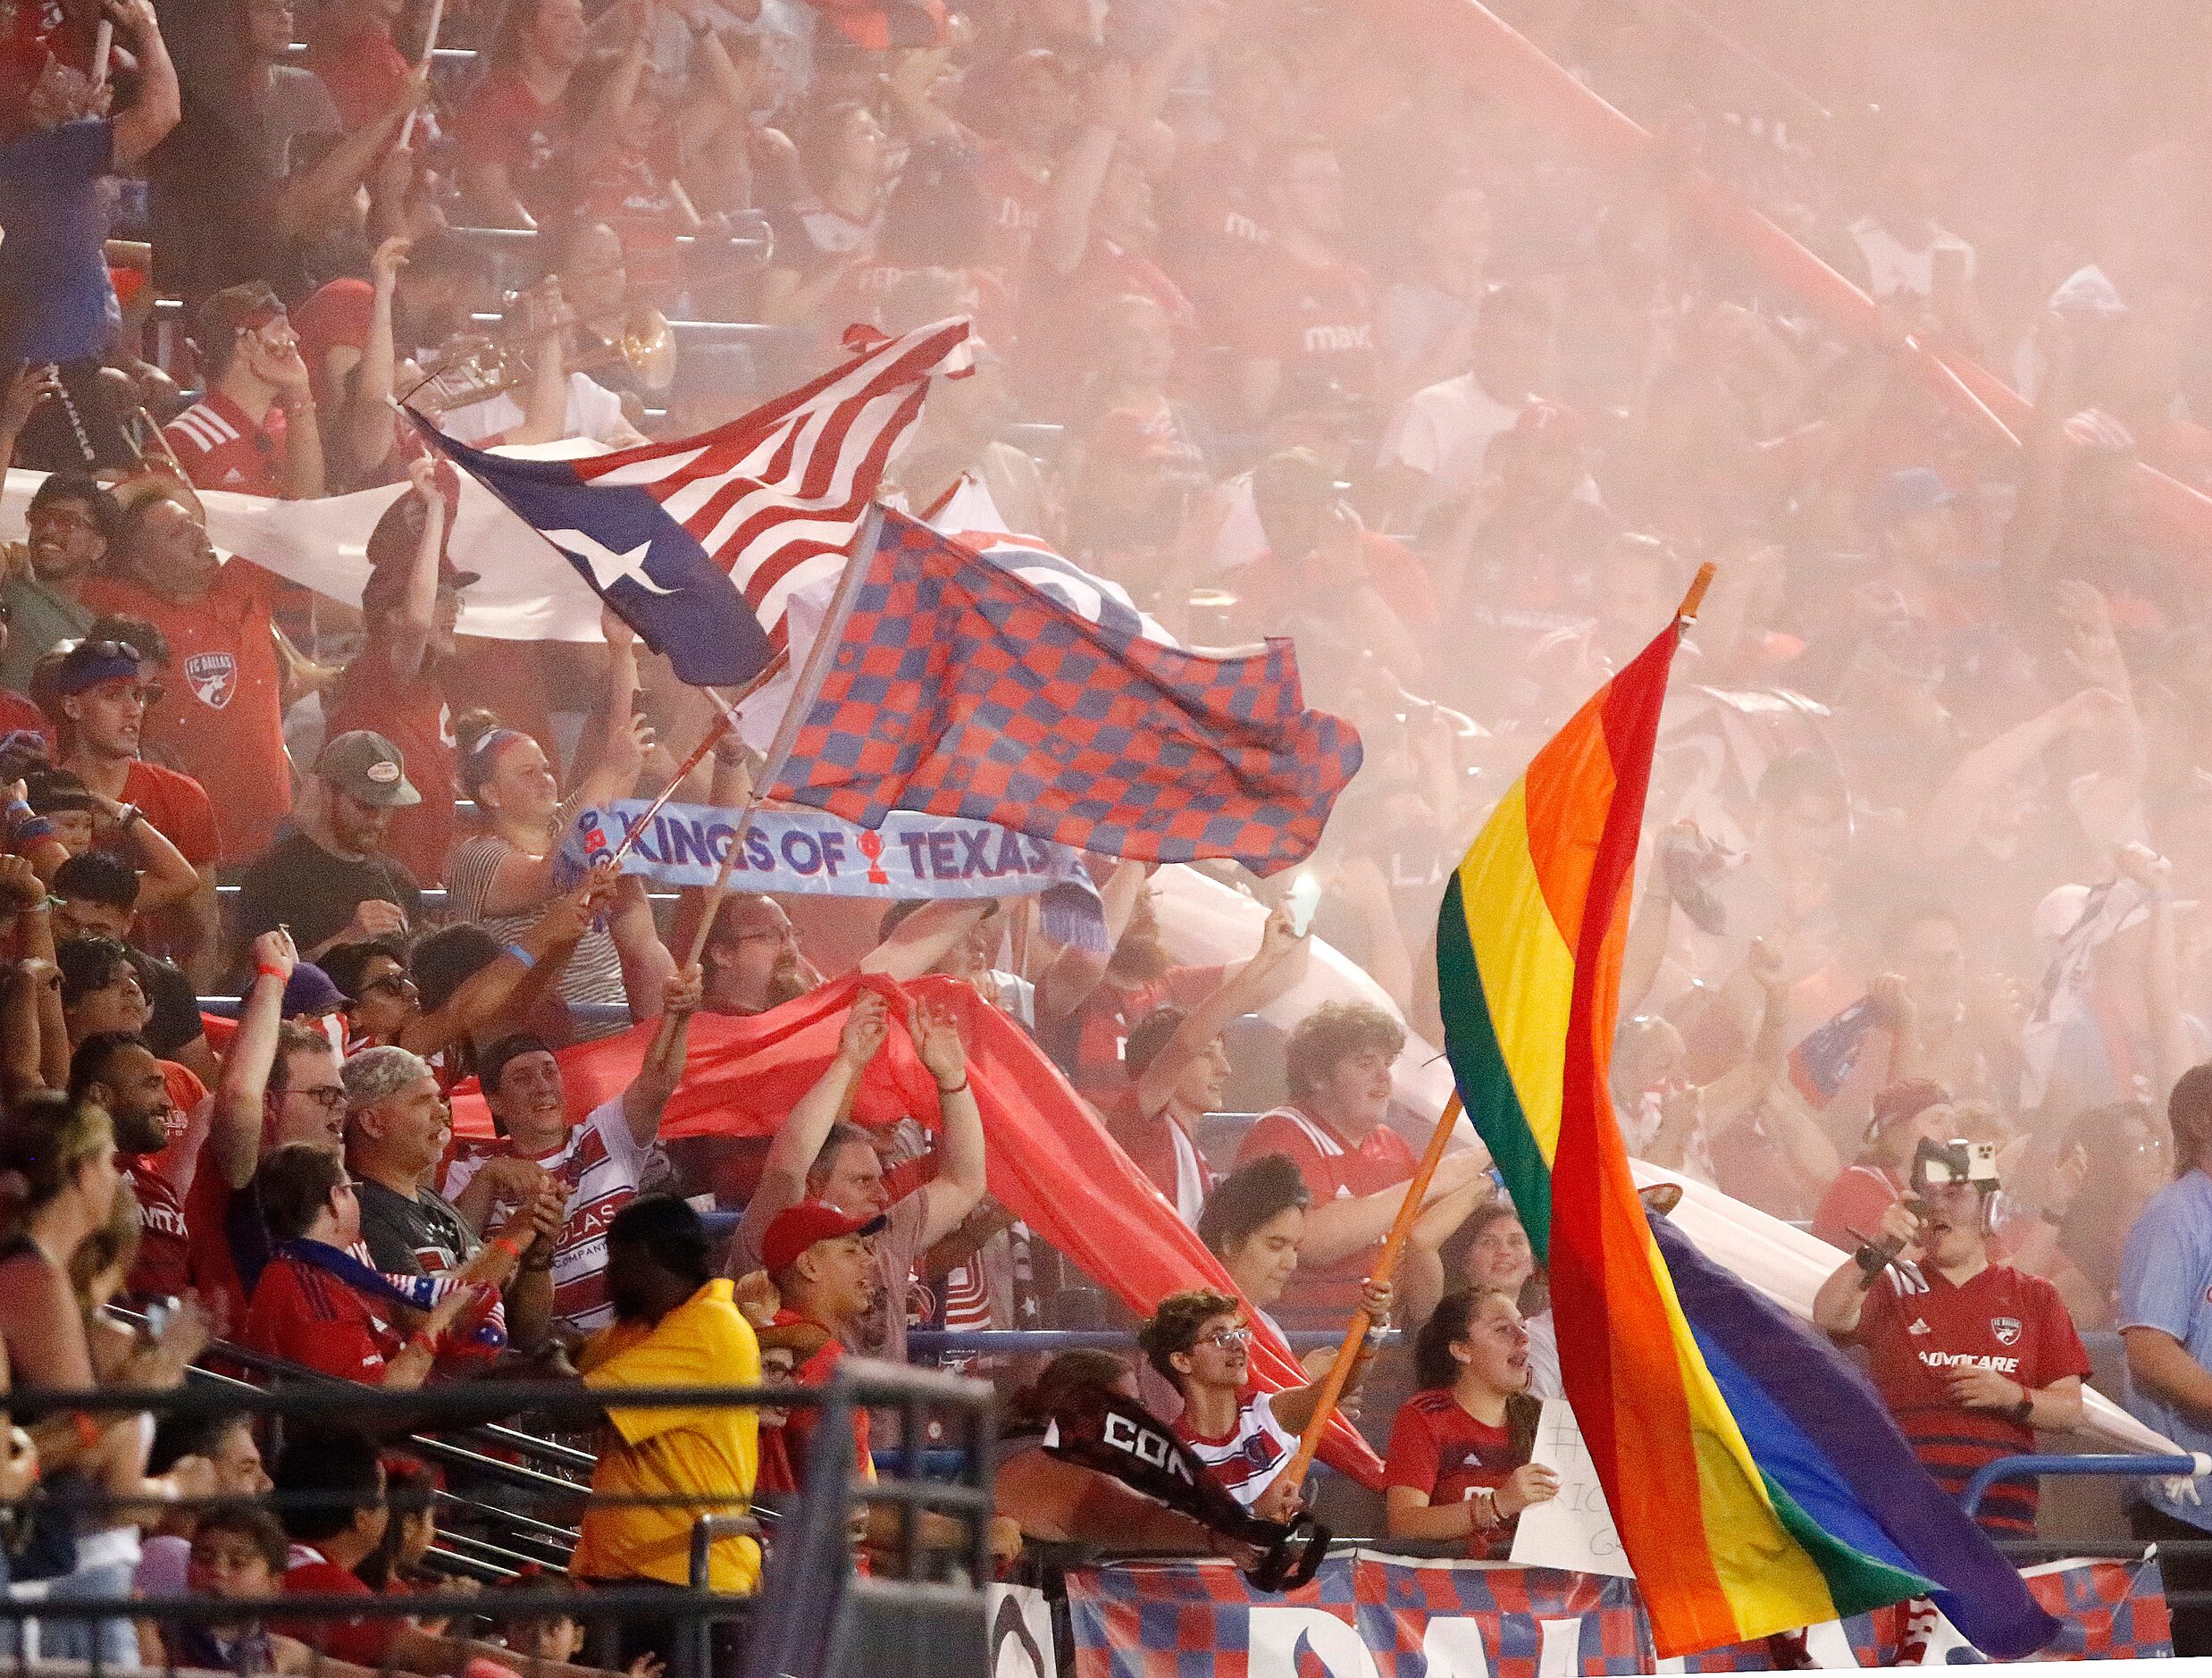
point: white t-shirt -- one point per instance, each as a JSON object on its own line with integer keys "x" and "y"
{"x": 1444, "y": 430}
{"x": 1247, "y": 1459}
{"x": 593, "y": 411}
{"x": 1892, "y": 266}
{"x": 602, "y": 1164}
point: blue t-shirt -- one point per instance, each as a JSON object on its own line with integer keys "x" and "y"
{"x": 54, "y": 293}
{"x": 2166, "y": 1283}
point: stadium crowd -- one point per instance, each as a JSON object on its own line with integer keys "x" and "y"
{"x": 1274, "y": 309}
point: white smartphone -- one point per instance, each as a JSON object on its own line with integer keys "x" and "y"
{"x": 1304, "y": 897}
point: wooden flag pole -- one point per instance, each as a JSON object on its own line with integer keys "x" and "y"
{"x": 1687, "y": 612}
{"x": 1386, "y": 1266}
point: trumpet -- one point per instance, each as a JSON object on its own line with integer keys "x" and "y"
{"x": 479, "y": 366}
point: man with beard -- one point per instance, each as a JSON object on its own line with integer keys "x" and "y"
{"x": 68, "y": 526}
{"x": 164, "y": 1149}
{"x": 1303, "y": 308}
{"x": 394, "y": 687}
{"x": 752, "y": 959}
{"x": 328, "y": 878}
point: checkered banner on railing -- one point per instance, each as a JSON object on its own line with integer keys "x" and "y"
{"x": 1367, "y": 1615}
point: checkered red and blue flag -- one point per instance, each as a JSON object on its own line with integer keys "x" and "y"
{"x": 698, "y": 544}
{"x": 961, "y": 689}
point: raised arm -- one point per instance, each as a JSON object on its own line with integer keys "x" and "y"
{"x": 799, "y": 1139}
{"x": 1279, "y": 965}
{"x": 492, "y": 989}
{"x": 418, "y": 611}
{"x": 663, "y": 1070}
{"x": 1337, "y": 1229}
{"x": 160, "y": 103}
{"x": 234, "y": 1141}
{"x": 1843, "y": 1297}
{"x": 953, "y": 1194}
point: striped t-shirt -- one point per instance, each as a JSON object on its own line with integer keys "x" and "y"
{"x": 1248, "y": 1459}
{"x": 593, "y": 974}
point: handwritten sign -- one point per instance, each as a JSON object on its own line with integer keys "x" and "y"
{"x": 1574, "y": 1531}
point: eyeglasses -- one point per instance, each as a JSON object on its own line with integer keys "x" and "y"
{"x": 395, "y": 984}
{"x": 1227, "y": 1340}
{"x": 329, "y": 1097}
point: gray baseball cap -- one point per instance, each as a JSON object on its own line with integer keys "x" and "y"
{"x": 364, "y": 765}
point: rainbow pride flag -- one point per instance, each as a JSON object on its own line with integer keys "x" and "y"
{"x": 1780, "y": 1494}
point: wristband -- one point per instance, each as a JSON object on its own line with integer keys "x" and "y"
{"x": 1873, "y": 1257}
{"x": 508, "y": 1245}
{"x": 17, "y": 809}
{"x": 39, "y": 907}
{"x": 522, "y": 955}
{"x": 127, "y": 816}
{"x": 420, "y": 1341}
{"x": 34, "y": 827}
{"x": 2024, "y": 1412}
{"x": 277, "y": 973}
{"x": 87, "y": 1429}
{"x": 955, "y": 1089}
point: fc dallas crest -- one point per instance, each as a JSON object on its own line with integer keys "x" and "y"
{"x": 2007, "y": 1329}
{"x": 214, "y": 677}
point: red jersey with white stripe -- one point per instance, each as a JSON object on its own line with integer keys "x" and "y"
{"x": 1248, "y": 1459}
{"x": 306, "y": 1314}
{"x": 1917, "y": 1327}
{"x": 1440, "y": 1451}
{"x": 219, "y": 449}
{"x": 602, "y": 1164}
{"x": 1159, "y": 1147}
{"x": 1335, "y": 1168}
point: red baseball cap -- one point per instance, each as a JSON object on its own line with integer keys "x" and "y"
{"x": 795, "y": 1229}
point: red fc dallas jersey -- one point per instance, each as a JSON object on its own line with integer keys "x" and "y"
{"x": 1440, "y": 1451}
{"x": 1248, "y": 1459}
{"x": 1917, "y": 1327}
{"x": 602, "y": 1164}
{"x": 219, "y": 449}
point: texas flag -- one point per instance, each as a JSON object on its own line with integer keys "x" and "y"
{"x": 698, "y": 544}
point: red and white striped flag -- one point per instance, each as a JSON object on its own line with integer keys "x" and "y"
{"x": 770, "y": 501}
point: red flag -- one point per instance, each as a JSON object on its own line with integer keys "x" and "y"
{"x": 1049, "y": 1159}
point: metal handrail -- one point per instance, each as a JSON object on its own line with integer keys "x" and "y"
{"x": 1015, "y": 1342}
{"x": 2128, "y": 1467}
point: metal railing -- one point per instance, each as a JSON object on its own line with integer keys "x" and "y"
{"x": 2101, "y": 1467}
{"x": 809, "y": 1598}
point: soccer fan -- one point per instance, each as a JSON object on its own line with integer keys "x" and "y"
{"x": 675, "y": 1325}
{"x": 504, "y": 876}
{"x": 394, "y": 687}
{"x": 1459, "y": 1463}
{"x": 1303, "y": 308}
{"x": 1337, "y": 1065}
{"x": 97, "y": 698}
{"x": 1906, "y": 1113}
{"x": 331, "y": 1495}
{"x": 226, "y": 727}
{"x": 1971, "y": 1356}
{"x": 818, "y": 1156}
{"x": 226, "y": 1444}
{"x": 238, "y": 1554}
{"x": 70, "y": 521}
{"x": 752, "y": 958}
{"x": 824, "y": 1273}
{"x": 328, "y": 878}
{"x": 601, "y": 1163}
{"x": 1493, "y": 1252}
{"x": 54, "y": 288}
{"x": 1177, "y": 1067}
{"x": 255, "y": 430}
{"x": 2166, "y": 1324}
{"x": 398, "y": 1129}
{"x": 512, "y": 132}
{"x": 317, "y": 1305}
{"x": 1434, "y": 450}
{"x": 1253, "y": 1224}
{"x": 1200, "y": 1342}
